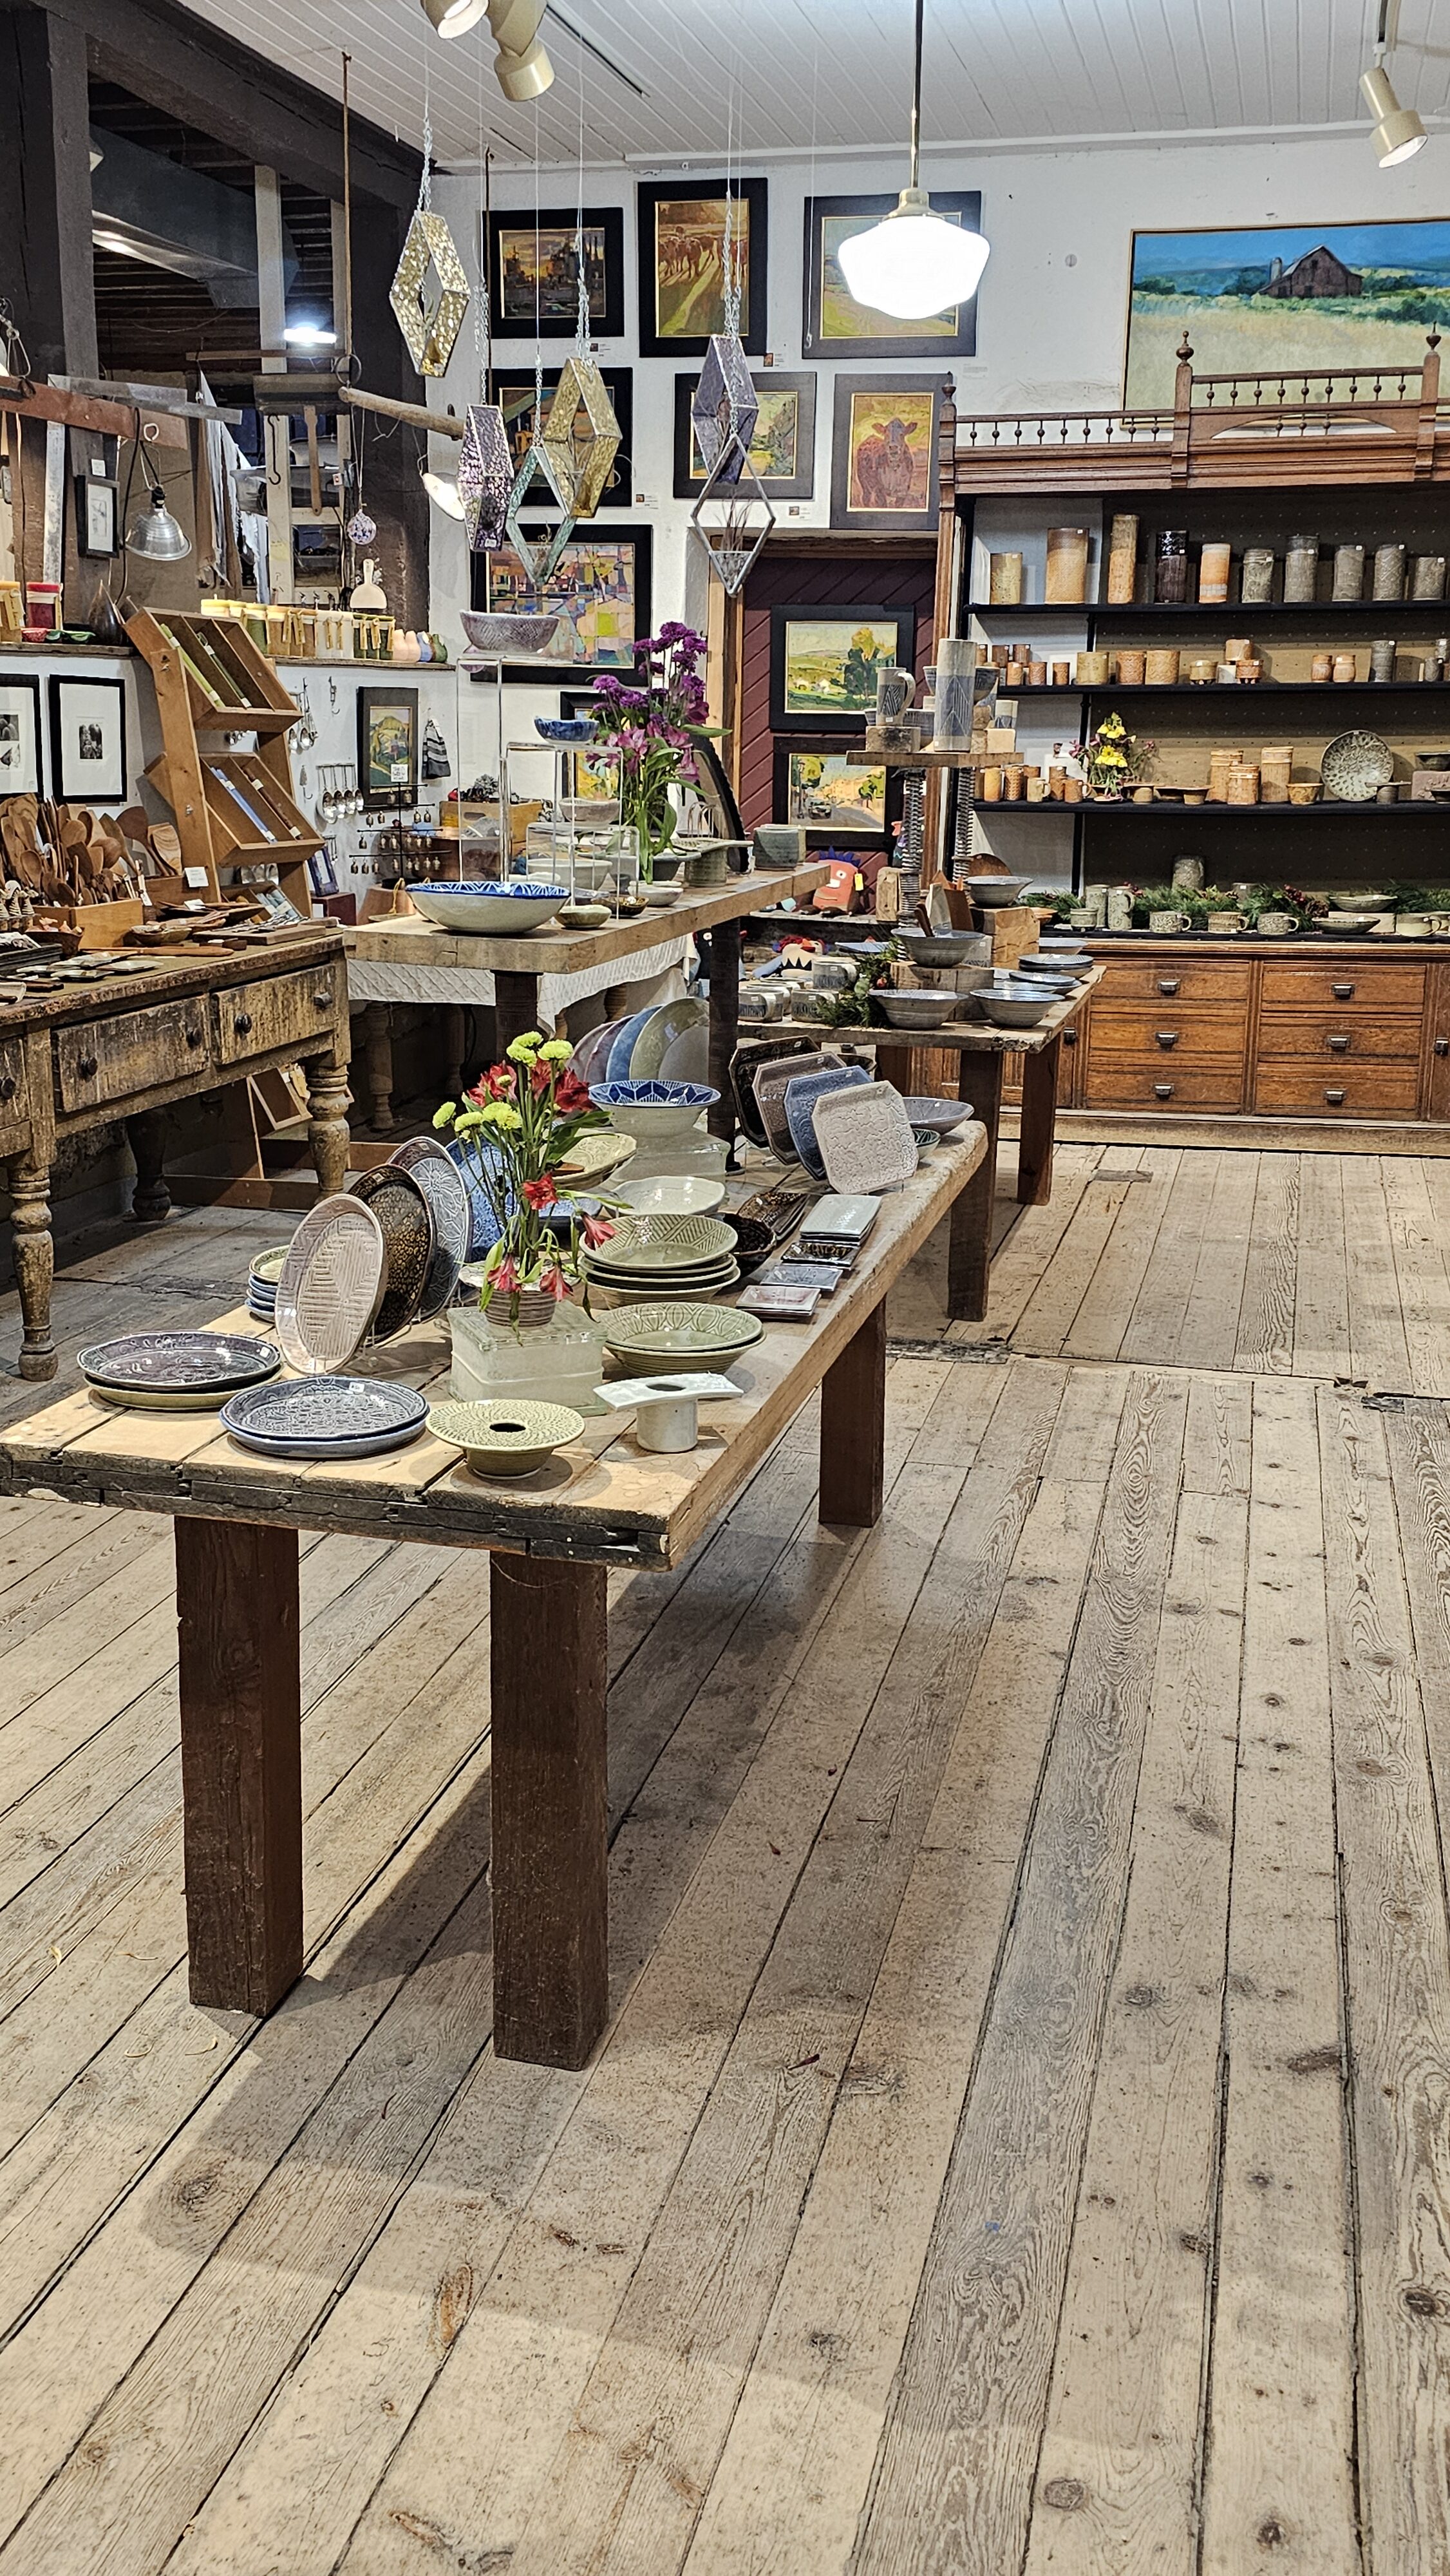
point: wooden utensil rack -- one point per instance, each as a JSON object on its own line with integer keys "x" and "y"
{"x": 233, "y": 808}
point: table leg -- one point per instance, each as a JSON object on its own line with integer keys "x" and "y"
{"x": 378, "y": 1023}
{"x": 969, "y": 1243}
{"x": 146, "y": 1135}
{"x": 328, "y": 1100}
{"x": 893, "y": 1065}
{"x": 550, "y": 1817}
{"x": 853, "y": 1426}
{"x": 34, "y": 1256}
{"x": 1038, "y": 1125}
{"x": 453, "y": 1041}
{"x": 724, "y": 1023}
{"x": 241, "y": 1760}
{"x": 516, "y": 1007}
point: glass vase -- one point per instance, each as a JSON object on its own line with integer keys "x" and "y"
{"x": 553, "y": 1357}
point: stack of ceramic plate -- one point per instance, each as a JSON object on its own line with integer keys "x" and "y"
{"x": 177, "y": 1372}
{"x": 325, "y": 1417}
{"x": 262, "y": 1280}
{"x": 673, "y": 1336}
{"x": 649, "y": 1257}
{"x": 669, "y": 1042}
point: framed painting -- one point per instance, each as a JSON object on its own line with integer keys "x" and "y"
{"x": 834, "y": 325}
{"x": 682, "y": 264}
{"x": 1284, "y": 298}
{"x": 593, "y": 775}
{"x": 20, "y": 770}
{"x": 824, "y": 662}
{"x": 95, "y": 515}
{"x": 782, "y": 447}
{"x": 387, "y": 746}
{"x": 513, "y": 391}
{"x": 818, "y": 787}
{"x": 883, "y": 454}
{"x": 88, "y": 739}
{"x": 533, "y": 272}
{"x": 601, "y": 583}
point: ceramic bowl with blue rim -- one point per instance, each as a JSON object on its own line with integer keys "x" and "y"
{"x": 800, "y": 1108}
{"x": 489, "y": 907}
{"x": 653, "y": 1109}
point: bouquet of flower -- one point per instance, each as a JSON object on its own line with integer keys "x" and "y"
{"x": 651, "y": 727}
{"x": 515, "y": 1128}
{"x": 1112, "y": 757}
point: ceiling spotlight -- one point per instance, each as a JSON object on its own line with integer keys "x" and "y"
{"x": 522, "y": 68}
{"x": 913, "y": 263}
{"x": 1398, "y": 133}
{"x": 309, "y": 335}
{"x": 453, "y": 17}
{"x": 443, "y": 488}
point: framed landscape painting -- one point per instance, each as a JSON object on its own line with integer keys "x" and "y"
{"x": 533, "y": 272}
{"x": 820, "y": 789}
{"x": 883, "y": 453}
{"x": 824, "y": 661}
{"x": 682, "y": 264}
{"x": 782, "y": 445}
{"x": 387, "y": 746}
{"x": 834, "y": 325}
{"x": 601, "y": 583}
{"x": 1284, "y": 297}
{"x": 513, "y": 391}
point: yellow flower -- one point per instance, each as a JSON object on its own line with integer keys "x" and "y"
{"x": 501, "y": 1114}
{"x": 523, "y": 1050}
{"x": 558, "y": 1051}
{"x": 444, "y": 1117}
{"x": 468, "y": 1122}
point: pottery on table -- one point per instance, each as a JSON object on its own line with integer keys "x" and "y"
{"x": 1354, "y": 765}
{"x": 917, "y": 1010}
{"x": 928, "y": 1110}
{"x": 441, "y": 1182}
{"x": 503, "y": 637}
{"x": 664, "y": 1027}
{"x": 488, "y": 909}
{"x": 801, "y": 1097}
{"x": 564, "y": 728}
{"x": 1013, "y": 1010}
{"x": 672, "y": 1335}
{"x": 755, "y": 1241}
{"x": 325, "y": 1417}
{"x": 754, "y": 1057}
{"x": 946, "y": 947}
{"x": 395, "y": 1198}
{"x": 653, "y": 1111}
{"x": 330, "y": 1284}
{"x": 177, "y": 1372}
{"x": 671, "y": 1194}
{"x": 865, "y": 1139}
{"x": 667, "y": 1242}
{"x": 506, "y": 1437}
{"x": 994, "y": 894}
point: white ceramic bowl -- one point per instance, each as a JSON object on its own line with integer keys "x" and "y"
{"x": 487, "y": 909}
{"x": 671, "y": 1194}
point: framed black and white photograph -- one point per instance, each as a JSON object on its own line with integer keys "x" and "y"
{"x": 88, "y": 739}
{"x": 834, "y": 325}
{"x": 20, "y": 738}
{"x": 95, "y": 515}
{"x": 782, "y": 443}
{"x": 682, "y": 263}
{"x": 533, "y": 272}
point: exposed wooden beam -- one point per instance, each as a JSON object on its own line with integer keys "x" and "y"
{"x": 45, "y": 192}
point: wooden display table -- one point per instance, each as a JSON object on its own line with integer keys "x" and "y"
{"x": 124, "y": 1050}
{"x": 412, "y": 960}
{"x": 601, "y": 1502}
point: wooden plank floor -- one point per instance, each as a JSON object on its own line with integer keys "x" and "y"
{"x": 1020, "y": 2142}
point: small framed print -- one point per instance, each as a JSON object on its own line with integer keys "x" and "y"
{"x": 88, "y": 739}
{"x": 682, "y": 264}
{"x": 782, "y": 444}
{"x": 819, "y": 787}
{"x": 533, "y": 272}
{"x": 836, "y": 326}
{"x": 322, "y": 870}
{"x": 883, "y": 454}
{"x": 387, "y": 746}
{"x": 95, "y": 515}
{"x": 20, "y": 738}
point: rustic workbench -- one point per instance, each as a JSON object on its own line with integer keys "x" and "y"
{"x": 601, "y": 1502}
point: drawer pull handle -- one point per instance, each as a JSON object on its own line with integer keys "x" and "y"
{"x": 243, "y": 1024}
{"x": 1337, "y": 1046}
{"x": 1442, "y": 1046}
{"x": 8, "y": 1086}
{"x": 322, "y": 998}
{"x": 1342, "y": 992}
{"x": 1069, "y": 1037}
{"x": 87, "y": 1068}
{"x": 1162, "y": 1090}
{"x": 1168, "y": 984}
{"x": 194, "y": 1036}
{"x": 1166, "y": 1037}
{"x": 1335, "y": 1099}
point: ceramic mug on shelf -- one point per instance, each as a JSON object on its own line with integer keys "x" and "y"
{"x": 895, "y": 689}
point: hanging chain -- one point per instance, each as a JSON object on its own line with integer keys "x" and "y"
{"x": 581, "y": 328}
{"x": 731, "y": 245}
{"x": 425, "y": 184}
{"x": 538, "y": 331}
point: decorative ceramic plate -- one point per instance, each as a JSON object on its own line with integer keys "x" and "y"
{"x": 800, "y": 1103}
{"x": 618, "y": 1068}
{"x": 668, "y": 1242}
{"x": 925, "y": 1110}
{"x": 752, "y": 1059}
{"x": 714, "y": 1282}
{"x": 326, "y": 1417}
{"x": 205, "y": 1366}
{"x": 592, "y": 1053}
{"x": 687, "y": 1057}
{"x": 505, "y": 1438}
{"x": 645, "y": 1339}
{"x": 267, "y": 1267}
{"x": 1354, "y": 765}
{"x": 770, "y": 1090}
{"x": 441, "y": 1182}
{"x": 672, "y": 1021}
{"x": 865, "y": 1138}
{"x": 330, "y": 1284}
{"x": 408, "y": 1239}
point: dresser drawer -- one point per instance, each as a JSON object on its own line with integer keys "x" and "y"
{"x": 1124, "y": 1085}
{"x": 14, "y": 1107}
{"x": 279, "y": 1011}
{"x": 1376, "y": 985}
{"x": 1164, "y": 979}
{"x": 1128, "y": 1029}
{"x": 1338, "y": 1034}
{"x": 1354, "y": 1090}
{"x": 136, "y": 1052}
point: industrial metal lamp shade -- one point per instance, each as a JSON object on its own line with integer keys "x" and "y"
{"x": 155, "y": 535}
{"x": 1398, "y": 133}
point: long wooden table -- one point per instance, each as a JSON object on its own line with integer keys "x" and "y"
{"x": 553, "y": 1536}
{"x": 413, "y": 960}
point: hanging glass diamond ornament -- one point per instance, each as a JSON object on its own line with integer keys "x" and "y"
{"x": 485, "y": 475}
{"x": 582, "y": 457}
{"x": 725, "y": 406}
{"x": 733, "y": 541}
{"x": 538, "y": 562}
{"x": 429, "y": 293}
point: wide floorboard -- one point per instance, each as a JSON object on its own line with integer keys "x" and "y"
{"x": 1020, "y": 2142}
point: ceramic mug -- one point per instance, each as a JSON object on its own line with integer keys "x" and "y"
{"x": 895, "y": 690}
{"x": 1166, "y": 924}
{"x": 1277, "y": 925}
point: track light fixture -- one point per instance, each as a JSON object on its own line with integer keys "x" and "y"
{"x": 522, "y": 68}
{"x": 1398, "y": 132}
{"x": 453, "y": 17}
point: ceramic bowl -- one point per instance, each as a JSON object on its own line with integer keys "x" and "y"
{"x": 918, "y": 1010}
{"x": 672, "y": 1194}
{"x": 488, "y": 909}
{"x": 1347, "y": 925}
{"x": 653, "y": 1111}
{"x": 177, "y": 1372}
{"x": 506, "y": 1437}
{"x": 664, "y": 1242}
{"x": 928, "y": 1110}
{"x": 564, "y": 728}
{"x": 658, "y": 897}
{"x": 677, "y": 1335}
{"x": 994, "y": 894}
{"x": 1014, "y": 1010}
{"x": 508, "y": 638}
{"x": 942, "y": 947}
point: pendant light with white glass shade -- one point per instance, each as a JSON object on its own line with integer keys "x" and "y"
{"x": 913, "y": 262}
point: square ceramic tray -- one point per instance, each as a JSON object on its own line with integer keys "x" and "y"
{"x": 865, "y": 1138}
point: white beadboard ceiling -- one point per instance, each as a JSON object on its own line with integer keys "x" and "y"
{"x": 787, "y": 76}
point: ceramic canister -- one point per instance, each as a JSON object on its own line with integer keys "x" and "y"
{"x": 1062, "y": 675}
{"x": 1256, "y": 575}
{"x": 1215, "y": 556}
{"x": 1301, "y": 569}
{"x": 1037, "y": 675}
{"x": 1005, "y": 581}
{"x": 1382, "y": 659}
{"x": 1131, "y": 666}
{"x": 1170, "y": 568}
{"x": 1428, "y": 578}
{"x": 1067, "y": 563}
{"x": 1274, "y": 781}
{"x": 1249, "y": 672}
{"x": 1219, "y": 764}
{"x": 1237, "y": 648}
{"x": 1348, "y": 573}
{"x": 1122, "y": 560}
{"x": 1344, "y": 667}
{"x": 1091, "y": 670}
{"x": 989, "y": 786}
{"x": 1389, "y": 572}
{"x": 1161, "y": 667}
{"x": 1188, "y": 876}
{"x": 1016, "y": 675}
{"x": 1202, "y": 668}
{"x": 1322, "y": 667}
{"x": 1243, "y": 784}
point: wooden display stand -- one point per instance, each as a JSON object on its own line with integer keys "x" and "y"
{"x": 232, "y": 809}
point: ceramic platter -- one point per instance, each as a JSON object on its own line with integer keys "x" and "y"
{"x": 505, "y": 1438}
{"x": 865, "y": 1138}
{"x": 441, "y": 1182}
{"x": 326, "y": 1417}
{"x": 770, "y": 1090}
{"x": 1354, "y": 765}
{"x": 177, "y": 1372}
{"x": 330, "y": 1284}
{"x": 406, "y": 1219}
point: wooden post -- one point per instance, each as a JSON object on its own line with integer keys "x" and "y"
{"x": 1178, "y": 466}
{"x": 853, "y": 1427}
{"x": 378, "y": 1023}
{"x": 272, "y": 299}
{"x": 146, "y": 1136}
{"x": 1429, "y": 409}
{"x": 724, "y": 1023}
{"x": 241, "y": 1760}
{"x": 515, "y": 1006}
{"x": 944, "y": 616}
{"x": 548, "y": 1664}
{"x": 969, "y": 1245}
{"x": 45, "y": 192}
{"x": 1038, "y": 1125}
{"x": 33, "y": 1253}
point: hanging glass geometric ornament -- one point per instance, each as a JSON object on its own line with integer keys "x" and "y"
{"x": 485, "y": 475}
{"x": 725, "y": 405}
{"x": 429, "y": 293}
{"x": 733, "y": 541}
{"x": 361, "y": 530}
{"x": 583, "y": 460}
{"x": 538, "y": 562}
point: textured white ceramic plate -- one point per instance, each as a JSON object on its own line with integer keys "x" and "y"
{"x": 865, "y": 1138}
{"x": 331, "y": 1282}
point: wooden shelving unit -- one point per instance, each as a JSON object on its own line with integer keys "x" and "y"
{"x": 233, "y": 808}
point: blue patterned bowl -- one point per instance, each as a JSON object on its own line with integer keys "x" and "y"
{"x": 564, "y": 728}
{"x": 488, "y": 907}
{"x": 653, "y": 1109}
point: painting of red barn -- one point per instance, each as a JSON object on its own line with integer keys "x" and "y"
{"x": 883, "y": 453}
{"x": 1352, "y": 298}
